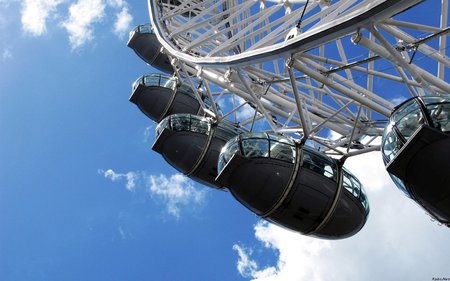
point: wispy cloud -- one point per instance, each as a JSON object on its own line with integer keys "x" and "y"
{"x": 174, "y": 191}
{"x": 247, "y": 267}
{"x": 123, "y": 22}
{"x": 35, "y": 13}
{"x": 149, "y": 133}
{"x": 82, "y": 16}
{"x": 130, "y": 177}
{"x": 6, "y": 54}
{"x": 246, "y": 111}
{"x": 117, "y": 3}
{"x": 396, "y": 240}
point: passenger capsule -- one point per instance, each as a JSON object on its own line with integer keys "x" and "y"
{"x": 146, "y": 45}
{"x": 416, "y": 152}
{"x": 158, "y": 96}
{"x": 191, "y": 144}
{"x": 294, "y": 186}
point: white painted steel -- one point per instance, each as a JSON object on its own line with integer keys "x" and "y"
{"x": 324, "y": 84}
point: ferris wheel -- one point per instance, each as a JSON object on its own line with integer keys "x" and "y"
{"x": 335, "y": 75}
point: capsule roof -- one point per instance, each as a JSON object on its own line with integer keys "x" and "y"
{"x": 159, "y": 95}
{"x": 196, "y": 124}
{"x": 146, "y": 45}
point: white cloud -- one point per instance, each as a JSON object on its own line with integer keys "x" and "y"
{"x": 117, "y": 3}
{"x": 245, "y": 265}
{"x": 6, "y": 54}
{"x": 82, "y": 15}
{"x": 130, "y": 177}
{"x": 123, "y": 22}
{"x": 246, "y": 111}
{"x": 398, "y": 242}
{"x": 81, "y": 18}
{"x": 35, "y": 14}
{"x": 369, "y": 169}
{"x": 176, "y": 191}
{"x": 398, "y": 100}
{"x": 149, "y": 133}
{"x": 297, "y": 259}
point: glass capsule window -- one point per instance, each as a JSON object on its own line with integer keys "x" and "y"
{"x": 400, "y": 185}
{"x": 258, "y": 145}
{"x": 354, "y": 187}
{"x": 438, "y": 109}
{"x": 156, "y": 80}
{"x": 160, "y": 80}
{"x": 408, "y": 118}
{"x": 351, "y": 184}
{"x": 145, "y": 28}
{"x": 364, "y": 201}
{"x": 391, "y": 144}
{"x": 230, "y": 148}
{"x": 142, "y": 29}
{"x": 184, "y": 122}
{"x": 319, "y": 163}
{"x": 254, "y": 148}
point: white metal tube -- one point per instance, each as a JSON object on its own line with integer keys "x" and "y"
{"x": 338, "y": 87}
{"x": 443, "y": 39}
{"x": 256, "y": 100}
{"x": 299, "y": 104}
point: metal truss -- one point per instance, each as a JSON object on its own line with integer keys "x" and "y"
{"x": 324, "y": 71}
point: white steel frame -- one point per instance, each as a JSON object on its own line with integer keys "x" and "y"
{"x": 306, "y": 85}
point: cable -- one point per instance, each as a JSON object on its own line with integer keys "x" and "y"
{"x": 299, "y": 23}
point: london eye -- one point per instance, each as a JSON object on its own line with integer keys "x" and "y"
{"x": 267, "y": 99}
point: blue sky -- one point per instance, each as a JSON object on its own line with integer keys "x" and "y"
{"x": 83, "y": 197}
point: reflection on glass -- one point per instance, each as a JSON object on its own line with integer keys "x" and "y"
{"x": 254, "y": 148}
{"x": 282, "y": 151}
{"x": 181, "y": 123}
{"x": 255, "y": 145}
{"x": 404, "y": 109}
{"x": 161, "y": 126}
{"x": 196, "y": 124}
{"x": 156, "y": 80}
{"x": 364, "y": 201}
{"x": 230, "y": 148}
{"x": 391, "y": 144}
{"x": 400, "y": 184}
{"x": 145, "y": 28}
{"x": 352, "y": 185}
{"x": 319, "y": 163}
{"x": 142, "y": 29}
{"x": 440, "y": 116}
{"x": 408, "y": 119}
{"x": 184, "y": 122}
